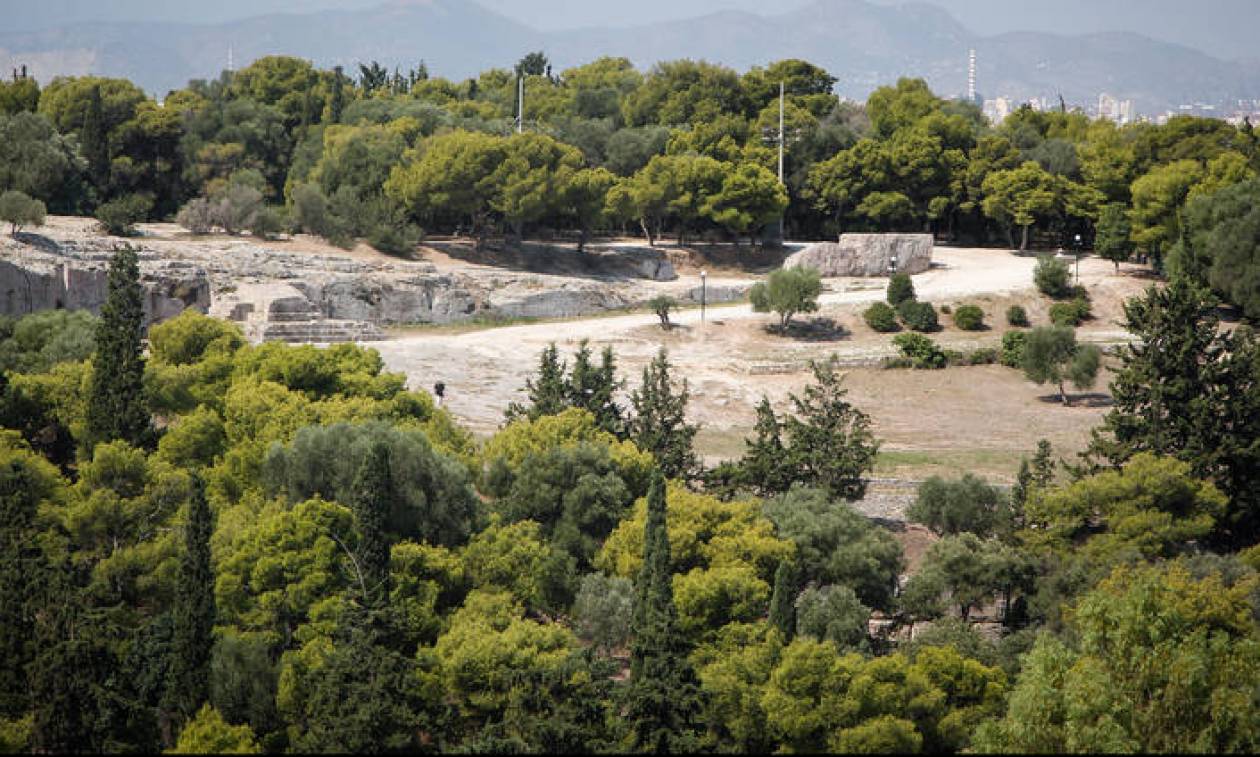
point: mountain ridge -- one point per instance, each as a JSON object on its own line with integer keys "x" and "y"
{"x": 863, "y": 43}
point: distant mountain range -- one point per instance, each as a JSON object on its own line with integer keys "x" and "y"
{"x": 862, "y": 43}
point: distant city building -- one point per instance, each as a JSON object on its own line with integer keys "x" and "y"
{"x": 1114, "y": 109}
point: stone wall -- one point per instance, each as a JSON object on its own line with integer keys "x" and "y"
{"x": 867, "y": 255}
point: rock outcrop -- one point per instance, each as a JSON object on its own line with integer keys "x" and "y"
{"x": 867, "y": 255}
{"x": 79, "y": 280}
{"x": 296, "y": 292}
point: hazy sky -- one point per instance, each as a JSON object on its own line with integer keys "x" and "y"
{"x": 1225, "y": 28}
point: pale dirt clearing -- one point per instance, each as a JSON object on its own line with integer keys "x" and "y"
{"x": 979, "y": 418}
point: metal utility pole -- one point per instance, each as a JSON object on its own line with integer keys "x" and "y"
{"x": 782, "y": 138}
{"x": 520, "y": 103}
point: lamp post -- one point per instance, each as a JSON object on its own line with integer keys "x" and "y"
{"x": 704, "y": 293}
{"x": 1078, "y": 259}
{"x": 892, "y": 266}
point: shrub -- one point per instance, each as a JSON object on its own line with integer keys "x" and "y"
{"x": 922, "y": 352}
{"x": 946, "y": 309}
{"x": 881, "y": 317}
{"x": 1017, "y": 316}
{"x": 120, "y": 216}
{"x": 19, "y": 209}
{"x": 398, "y": 239}
{"x": 919, "y": 316}
{"x": 983, "y": 356}
{"x": 310, "y": 210}
{"x": 1070, "y": 313}
{"x": 266, "y": 223}
{"x": 1013, "y": 342}
{"x": 900, "y": 289}
{"x": 197, "y": 216}
{"x": 237, "y": 208}
{"x": 1053, "y": 277}
{"x": 969, "y": 318}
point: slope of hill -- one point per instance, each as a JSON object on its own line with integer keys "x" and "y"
{"x": 863, "y": 43}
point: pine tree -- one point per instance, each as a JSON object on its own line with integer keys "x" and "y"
{"x": 94, "y": 141}
{"x": 548, "y": 392}
{"x": 660, "y": 420}
{"x": 116, "y": 404}
{"x": 663, "y": 701}
{"x": 829, "y": 440}
{"x": 766, "y": 466}
{"x": 188, "y": 684}
{"x": 783, "y": 600}
{"x": 67, "y": 671}
{"x": 592, "y": 387}
{"x": 1187, "y": 390}
{"x": 371, "y": 501}
{"x": 1042, "y": 473}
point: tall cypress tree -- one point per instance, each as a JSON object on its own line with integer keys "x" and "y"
{"x": 94, "y": 141}
{"x": 337, "y": 102}
{"x": 783, "y": 600}
{"x": 188, "y": 684}
{"x": 663, "y": 702}
{"x": 21, "y": 571}
{"x": 116, "y": 405}
{"x": 660, "y": 421}
{"x": 371, "y": 502}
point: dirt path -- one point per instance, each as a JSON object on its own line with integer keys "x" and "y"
{"x": 730, "y": 361}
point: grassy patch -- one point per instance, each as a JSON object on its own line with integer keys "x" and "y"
{"x": 994, "y": 464}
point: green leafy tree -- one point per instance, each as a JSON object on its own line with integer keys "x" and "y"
{"x": 1161, "y": 662}
{"x": 750, "y": 198}
{"x": 603, "y": 611}
{"x": 209, "y": 733}
{"x": 787, "y": 292}
{"x": 19, "y": 210}
{"x": 1223, "y": 252}
{"x": 835, "y": 614}
{"x": 659, "y": 424}
{"x": 1051, "y": 355}
{"x": 117, "y": 406}
{"x": 663, "y": 701}
{"x": 1112, "y": 242}
{"x": 1020, "y": 197}
{"x": 835, "y": 545}
{"x": 94, "y": 140}
{"x": 1157, "y": 200}
{"x": 968, "y": 505}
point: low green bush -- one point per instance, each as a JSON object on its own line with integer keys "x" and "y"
{"x": 922, "y": 352}
{"x": 918, "y": 316}
{"x": 1017, "y": 316}
{"x": 1053, "y": 277}
{"x": 1072, "y": 313}
{"x": 900, "y": 289}
{"x": 882, "y": 318}
{"x": 1012, "y": 354}
{"x": 969, "y": 318}
{"x": 119, "y": 217}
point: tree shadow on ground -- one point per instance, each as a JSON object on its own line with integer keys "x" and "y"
{"x": 38, "y": 241}
{"x": 811, "y": 330}
{"x": 1094, "y": 400}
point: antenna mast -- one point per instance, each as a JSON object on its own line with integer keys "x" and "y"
{"x": 971, "y": 77}
{"x": 782, "y": 138}
{"x": 520, "y": 103}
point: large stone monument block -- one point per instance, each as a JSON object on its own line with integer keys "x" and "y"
{"x": 867, "y": 255}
